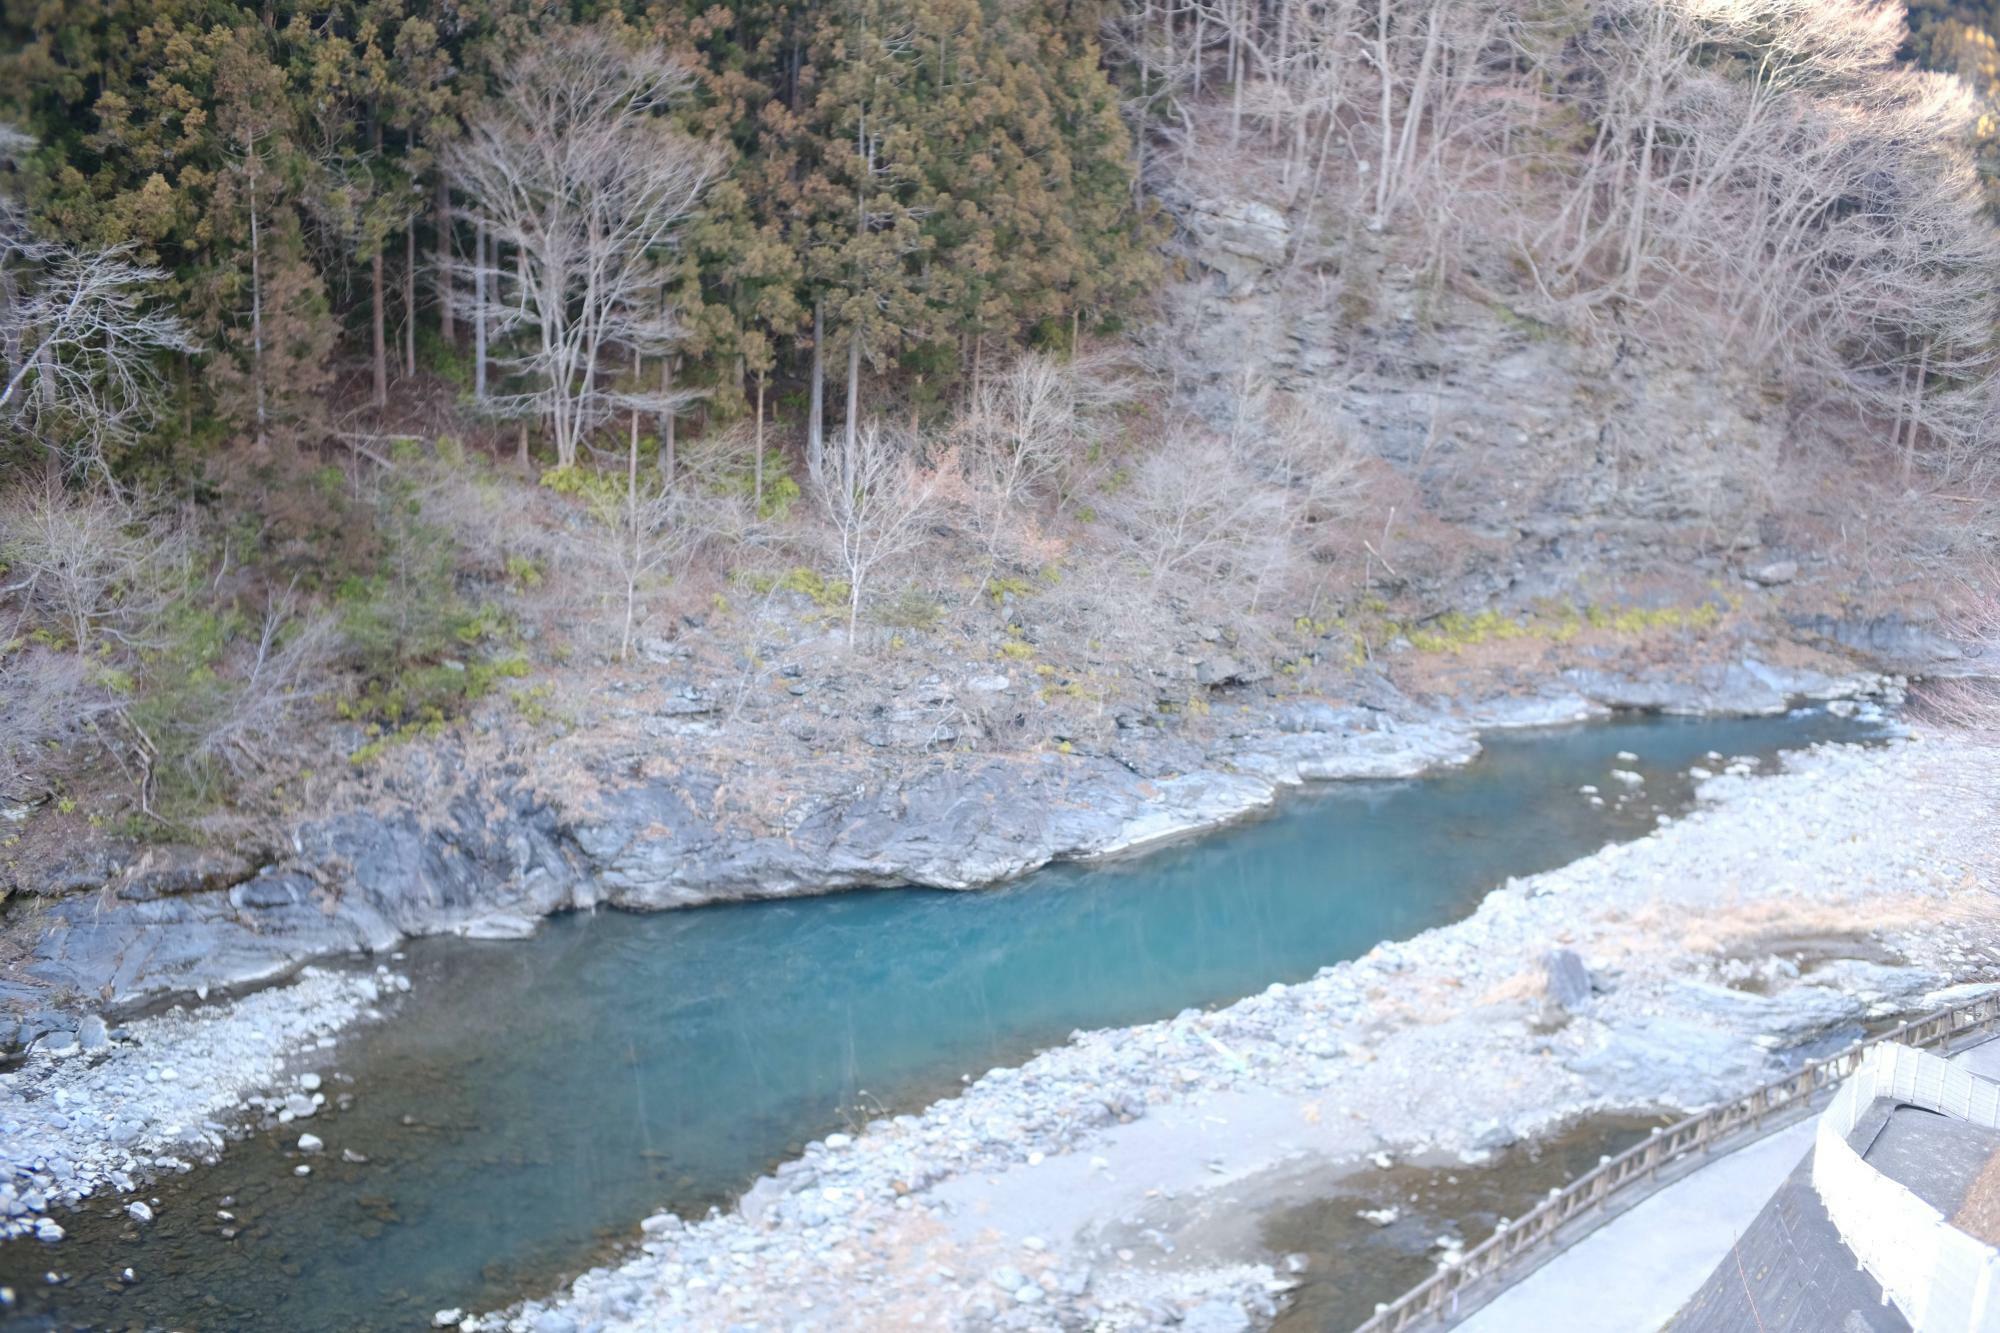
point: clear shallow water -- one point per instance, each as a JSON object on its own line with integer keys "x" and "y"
{"x": 1355, "y": 1263}
{"x": 534, "y": 1099}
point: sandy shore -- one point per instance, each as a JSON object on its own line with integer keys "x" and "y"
{"x": 1119, "y": 1181}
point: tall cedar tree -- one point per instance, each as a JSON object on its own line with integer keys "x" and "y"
{"x": 940, "y": 177}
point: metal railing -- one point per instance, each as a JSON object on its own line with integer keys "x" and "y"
{"x": 1616, "y": 1184}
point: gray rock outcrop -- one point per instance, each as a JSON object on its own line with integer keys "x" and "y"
{"x": 498, "y": 857}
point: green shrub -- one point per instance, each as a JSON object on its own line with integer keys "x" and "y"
{"x": 414, "y": 640}
{"x": 910, "y": 609}
{"x": 586, "y": 484}
{"x": 1000, "y": 587}
{"x": 828, "y": 594}
{"x": 179, "y": 695}
{"x": 446, "y": 360}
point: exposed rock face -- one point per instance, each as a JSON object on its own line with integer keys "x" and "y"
{"x": 1241, "y": 239}
{"x": 1748, "y": 688}
{"x": 1575, "y": 459}
{"x": 493, "y": 856}
{"x": 1896, "y": 642}
{"x": 498, "y": 857}
{"x": 359, "y": 881}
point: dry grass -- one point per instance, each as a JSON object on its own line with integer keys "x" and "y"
{"x": 1979, "y": 1212}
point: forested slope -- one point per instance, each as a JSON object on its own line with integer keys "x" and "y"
{"x": 369, "y": 365}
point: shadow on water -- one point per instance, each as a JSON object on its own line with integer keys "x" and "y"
{"x": 535, "y": 1099}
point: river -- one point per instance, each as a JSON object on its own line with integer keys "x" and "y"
{"x": 531, "y": 1101}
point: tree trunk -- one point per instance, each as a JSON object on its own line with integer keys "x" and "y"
{"x": 548, "y": 417}
{"x": 257, "y": 308}
{"x": 10, "y": 328}
{"x": 632, "y": 525}
{"x": 757, "y": 486}
{"x": 1145, "y": 116}
{"x": 1236, "y": 64}
{"x": 45, "y": 379}
{"x": 1635, "y": 232}
{"x": 1916, "y": 410}
{"x": 380, "y": 345}
{"x": 1284, "y": 61}
{"x": 1200, "y": 40}
{"x": 816, "y": 421}
{"x": 447, "y": 316}
{"x": 479, "y": 244}
{"x": 521, "y": 448}
{"x": 853, "y": 409}
{"x": 410, "y": 297}
{"x": 1387, "y": 112}
{"x": 378, "y": 328}
{"x": 1397, "y": 164}
{"x": 667, "y": 420}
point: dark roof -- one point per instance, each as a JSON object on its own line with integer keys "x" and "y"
{"x": 1789, "y": 1273}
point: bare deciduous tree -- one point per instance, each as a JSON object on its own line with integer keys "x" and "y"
{"x": 1768, "y": 184}
{"x": 46, "y": 697}
{"x": 1198, "y": 517}
{"x": 579, "y": 172}
{"x": 1971, "y": 702}
{"x": 636, "y": 534}
{"x": 260, "y": 691}
{"x": 94, "y": 564}
{"x": 1022, "y": 429}
{"x": 1759, "y": 184}
{"x": 876, "y": 506}
{"x": 79, "y": 342}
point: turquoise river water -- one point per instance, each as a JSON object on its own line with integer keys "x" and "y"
{"x": 533, "y": 1100}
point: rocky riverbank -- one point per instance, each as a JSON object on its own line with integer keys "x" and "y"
{"x": 1117, "y": 1182}
{"x": 486, "y": 844}
{"x": 87, "y": 1106}
{"x": 116, "y": 1106}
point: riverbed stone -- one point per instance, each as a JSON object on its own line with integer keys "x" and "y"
{"x": 1568, "y": 979}
{"x": 1216, "y": 1316}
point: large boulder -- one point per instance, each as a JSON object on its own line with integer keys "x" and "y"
{"x": 1242, "y": 239}
{"x": 1569, "y": 984}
